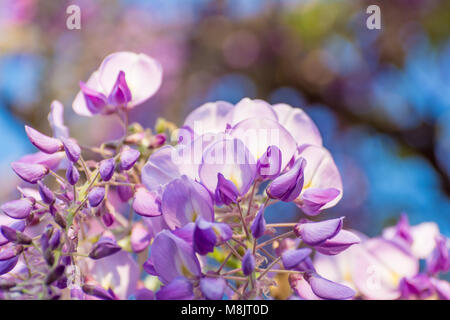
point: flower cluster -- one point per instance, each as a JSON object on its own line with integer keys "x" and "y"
{"x": 179, "y": 213}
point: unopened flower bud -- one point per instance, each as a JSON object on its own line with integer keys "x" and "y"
{"x": 96, "y": 196}
{"x": 106, "y": 169}
{"x": 55, "y": 274}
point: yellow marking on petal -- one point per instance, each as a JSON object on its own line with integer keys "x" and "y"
{"x": 185, "y": 271}
{"x": 194, "y": 216}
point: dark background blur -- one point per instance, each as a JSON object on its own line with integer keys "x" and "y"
{"x": 381, "y": 98}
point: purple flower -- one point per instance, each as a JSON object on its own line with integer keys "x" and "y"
{"x": 439, "y": 261}
{"x": 342, "y": 241}
{"x": 419, "y": 286}
{"x": 120, "y": 93}
{"x": 172, "y": 257}
{"x": 140, "y": 237}
{"x": 230, "y": 158}
{"x": 327, "y": 289}
{"x": 106, "y": 169}
{"x": 209, "y": 234}
{"x": 315, "y": 233}
{"x": 322, "y": 181}
{"x": 299, "y": 124}
{"x": 178, "y": 289}
{"x": 292, "y": 258}
{"x": 104, "y": 247}
{"x": 258, "y": 226}
{"x": 269, "y": 165}
{"x": 18, "y": 209}
{"x": 95, "y": 102}
{"x": 146, "y": 203}
{"x": 258, "y": 134}
{"x": 72, "y": 149}
{"x": 56, "y": 120}
{"x": 377, "y": 266}
{"x": 226, "y": 191}
{"x": 212, "y": 288}
{"x": 72, "y": 174}
{"x": 96, "y": 196}
{"x": 183, "y": 201}
{"x": 248, "y": 263}
{"x": 29, "y": 172}
{"x": 46, "y": 194}
{"x": 128, "y": 158}
{"x": 141, "y": 78}
{"x": 289, "y": 185}
{"x": 251, "y": 108}
{"x": 209, "y": 118}
{"x": 42, "y": 142}
{"x": 403, "y": 230}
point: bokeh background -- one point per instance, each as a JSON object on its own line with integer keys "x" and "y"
{"x": 381, "y": 98}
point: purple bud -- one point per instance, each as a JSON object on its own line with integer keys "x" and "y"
{"x": 315, "y": 233}
{"x": 44, "y": 143}
{"x": 158, "y": 140}
{"x": 95, "y": 101}
{"x": 269, "y": 165}
{"x": 30, "y": 172}
{"x": 9, "y": 252}
{"x": 128, "y": 158}
{"x": 61, "y": 283}
{"x": 107, "y": 218}
{"x": 59, "y": 219}
{"x": 103, "y": 248}
{"x": 55, "y": 239}
{"x": 72, "y": 174}
{"x": 226, "y": 191}
{"x": 18, "y": 225}
{"x": 96, "y": 196}
{"x": 258, "y": 226}
{"x": 292, "y": 258}
{"x": 72, "y": 149}
{"x": 125, "y": 193}
{"x": 120, "y": 93}
{"x": 146, "y": 203}
{"x": 49, "y": 257}
{"x": 7, "y": 265}
{"x": 46, "y": 194}
{"x": 209, "y": 234}
{"x": 55, "y": 274}
{"x": 18, "y": 209}
{"x": 15, "y": 236}
{"x": 248, "y": 263}
{"x": 97, "y": 291}
{"x": 106, "y": 169}
{"x": 288, "y": 186}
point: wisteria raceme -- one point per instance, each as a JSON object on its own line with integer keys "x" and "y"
{"x": 186, "y": 213}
